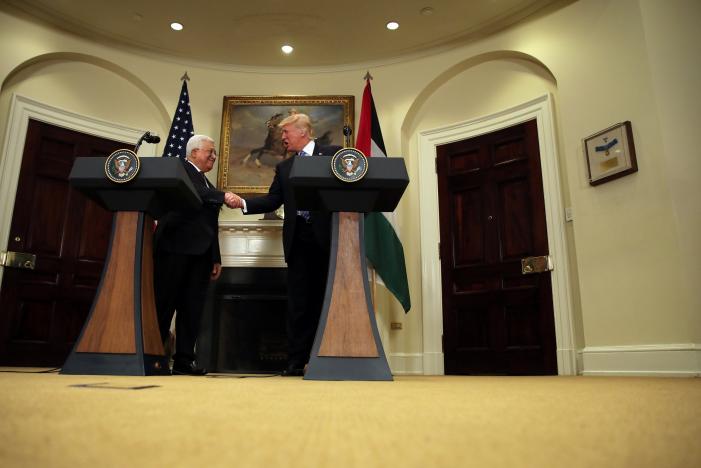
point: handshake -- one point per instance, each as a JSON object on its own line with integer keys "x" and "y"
{"x": 232, "y": 200}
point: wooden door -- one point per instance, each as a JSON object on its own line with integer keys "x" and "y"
{"x": 496, "y": 320}
{"x": 42, "y": 310}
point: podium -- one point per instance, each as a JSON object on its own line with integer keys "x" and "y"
{"x": 347, "y": 344}
{"x": 120, "y": 335}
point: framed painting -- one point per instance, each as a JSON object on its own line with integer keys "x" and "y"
{"x": 610, "y": 153}
{"x": 250, "y": 138}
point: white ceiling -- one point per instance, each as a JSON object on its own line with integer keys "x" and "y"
{"x": 325, "y": 33}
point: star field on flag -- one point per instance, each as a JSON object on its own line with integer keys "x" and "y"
{"x": 181, "y": 129}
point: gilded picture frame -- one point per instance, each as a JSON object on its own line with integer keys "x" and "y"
{"x": 250, "y": 145}
{"x": 610, "y": 153}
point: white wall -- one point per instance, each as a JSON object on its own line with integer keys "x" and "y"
{"x": 87, "y": 89}
{"x": 675, "y": 69}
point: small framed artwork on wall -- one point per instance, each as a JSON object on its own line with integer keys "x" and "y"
{"x": 610, "y": 153}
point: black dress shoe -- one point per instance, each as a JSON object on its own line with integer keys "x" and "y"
{"x": 188, "y": 369}
{"x": 292, "y": 371}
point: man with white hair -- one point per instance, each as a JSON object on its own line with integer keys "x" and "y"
{"x": 187, "y": 257}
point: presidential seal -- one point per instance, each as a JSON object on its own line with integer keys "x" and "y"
{"x": 349, "y": 165}
{"x": 122, "y": 166}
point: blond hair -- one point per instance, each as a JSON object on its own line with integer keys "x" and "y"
{"x": 300, "y": 121}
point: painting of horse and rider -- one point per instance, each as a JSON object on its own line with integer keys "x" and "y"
{"x": 250, "y": 140}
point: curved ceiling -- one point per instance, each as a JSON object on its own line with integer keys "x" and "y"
{"x": 324, "y": 33}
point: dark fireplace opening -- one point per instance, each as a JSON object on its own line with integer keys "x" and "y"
{"x": 243, "y": 329}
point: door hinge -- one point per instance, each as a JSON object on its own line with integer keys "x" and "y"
{"x": 17, "y": 260}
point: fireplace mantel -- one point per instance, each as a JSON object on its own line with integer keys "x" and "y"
{"x": 256, "y": 243}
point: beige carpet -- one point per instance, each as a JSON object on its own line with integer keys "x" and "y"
{"x": 48, "y": 421}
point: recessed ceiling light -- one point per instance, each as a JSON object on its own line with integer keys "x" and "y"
{"x": 426, "y": 11}
{"x": 392, "y": 25}
{"x": 176, "y": 26}
{"x": 287, "y": 49}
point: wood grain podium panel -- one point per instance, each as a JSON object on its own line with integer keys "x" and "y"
{"x": 149, "y": 321}
{"x": 348, "y": 332}
{"x": 111, "y": 328}
{"x": 121, "y": 336}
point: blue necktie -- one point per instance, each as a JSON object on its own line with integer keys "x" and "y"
{"x": 304, "y": 214}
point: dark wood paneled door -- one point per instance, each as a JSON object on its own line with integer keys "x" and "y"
{"x": 496, "y": 320}
{"x": 42, "y": 310}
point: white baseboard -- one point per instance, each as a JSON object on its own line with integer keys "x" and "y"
{"x": 663, "y": 360}
{"x": 406, "y": 363}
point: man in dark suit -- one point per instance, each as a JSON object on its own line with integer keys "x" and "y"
{"x": 306, "y": 240}
{"x": 187, "y": 258}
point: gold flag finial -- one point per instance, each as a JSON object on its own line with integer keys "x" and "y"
{"x": 367, "y": 76}
{"x": 185, "y": 77}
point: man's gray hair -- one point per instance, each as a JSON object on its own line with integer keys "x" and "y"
{"x": 196, "y": 141}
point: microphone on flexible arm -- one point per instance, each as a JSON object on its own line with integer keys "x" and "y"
{"x": 347, "y": 131}
{"x": 151, "y": 138}
{"x": 148, "y": 137}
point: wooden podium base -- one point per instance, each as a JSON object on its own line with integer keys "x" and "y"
{"x": 347, "y": 345}
{"x": 121, "y": 336}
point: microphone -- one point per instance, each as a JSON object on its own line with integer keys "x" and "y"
{"x": 347, "y": 131}
{"x": 151, "y": 137}
{"x": 148, "y": 137}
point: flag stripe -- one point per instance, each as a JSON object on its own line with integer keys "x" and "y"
{"x": 384, "y": 250}
{"x": 364, "y": 134}
{"x": 379, "y": 142}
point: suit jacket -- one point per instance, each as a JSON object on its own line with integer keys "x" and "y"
{"x": 192, "y": 231}
{"x": 280, "y": 192}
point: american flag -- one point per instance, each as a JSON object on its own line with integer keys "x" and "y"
{"x": 181, "y": 129}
